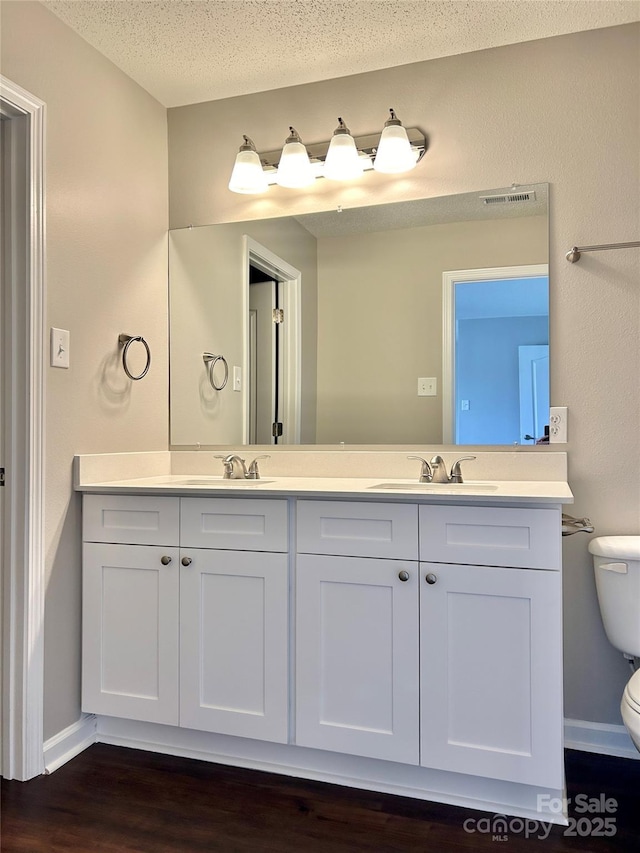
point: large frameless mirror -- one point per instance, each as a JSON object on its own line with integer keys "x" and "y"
{"x": 421, "y": 322}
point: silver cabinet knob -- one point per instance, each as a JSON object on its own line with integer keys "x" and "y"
{"x": 165, "y": 560}
{"x": 404, "y": 576}
{"x": 431, "y": 578}
{"x": 186, "y": 561}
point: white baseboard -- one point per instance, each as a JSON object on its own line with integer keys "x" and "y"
{"x": 603, "y": 738}
{"x": 369, "y": 774}
{"x": 69, "y": 742}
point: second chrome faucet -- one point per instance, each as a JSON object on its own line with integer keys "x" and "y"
{"x": 436, "y": 471}
{"x": 235, "y": 467}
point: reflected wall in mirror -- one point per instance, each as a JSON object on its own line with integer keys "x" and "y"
{"x": 371, "y": 302}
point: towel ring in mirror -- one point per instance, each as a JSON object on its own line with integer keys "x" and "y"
{"x": 127, "y": 340}
{"x": 211, "y": 360}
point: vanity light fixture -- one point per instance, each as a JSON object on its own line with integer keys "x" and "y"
{"x": 344, "y": 157}
{"x": 343, "y": 162}
{"x": 394, "y": 154}
{"x": 248, "y": 175}
{"x": 294, "y": 168}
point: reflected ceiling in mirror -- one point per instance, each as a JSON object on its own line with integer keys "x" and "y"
{"x": 370, "y": 350}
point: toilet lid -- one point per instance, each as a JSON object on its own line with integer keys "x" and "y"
{"x": 616, "y": 547}
{"x": 632, "y": 690}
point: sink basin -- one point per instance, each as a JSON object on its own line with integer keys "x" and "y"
{"x": 442, "y": 488}
{"x": 217, "y": 481}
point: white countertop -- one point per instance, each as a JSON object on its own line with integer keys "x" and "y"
{"x": 372, "y": 488}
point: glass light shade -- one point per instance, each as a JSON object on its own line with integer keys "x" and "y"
{"x": 343, "y": 162}
{"x": 248, "y": 176}
{"x": 294, "y": 168}
{"x": 394, "y": 154}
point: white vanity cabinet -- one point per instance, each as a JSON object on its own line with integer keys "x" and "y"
{"x": 357, "y": 629}
{"x": 130, "y": 615}
{"x": 416, "y": 642}
{"x": 192, "y": 632}
{"x": 484, "y": 613}
{"x": 234, "y": 633}
{"x": 491, "y": 643}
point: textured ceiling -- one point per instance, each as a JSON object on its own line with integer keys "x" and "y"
{"x": 188, "y": 51}
{"x": 424, "y": 211}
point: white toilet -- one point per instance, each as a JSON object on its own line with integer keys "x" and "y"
{"x": 616, "y": 561}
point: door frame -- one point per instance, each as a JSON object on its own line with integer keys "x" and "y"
{"x": 264, "y": 259}
{"x": 23, "y": 541}
{"x": 449, "y": 280}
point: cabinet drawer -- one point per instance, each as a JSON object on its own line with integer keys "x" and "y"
{"x": 236, "y": 524}
{"x": 131, "y": 519}
{"x": 491, "y": 536}
{"x": 352, "y": 529}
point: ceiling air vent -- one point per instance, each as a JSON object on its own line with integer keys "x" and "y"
{"x": 509, "y": 198}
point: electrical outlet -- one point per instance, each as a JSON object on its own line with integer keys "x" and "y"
{"x": 427, "y": 386}
{"x": 558, "y": 425}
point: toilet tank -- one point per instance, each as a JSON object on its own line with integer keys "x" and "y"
{"x": 616, "y": 562}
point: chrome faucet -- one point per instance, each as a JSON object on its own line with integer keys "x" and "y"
{"x": 436, "y": 472}
{"x": 234, "y": 467}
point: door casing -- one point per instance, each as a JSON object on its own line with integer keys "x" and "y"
{"x": 23, "y": 578}
{"x": 264, "y": 259}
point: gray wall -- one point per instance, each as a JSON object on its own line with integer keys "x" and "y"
{"x": 106, "y": 197}
{"x": 563, "y": 110}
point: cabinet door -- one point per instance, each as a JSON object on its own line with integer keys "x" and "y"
{"x": 491, "y": 672}
{"x": 234, "y": 643}
{"x": 357, "y": 656}
{"x": 130, "y": 632}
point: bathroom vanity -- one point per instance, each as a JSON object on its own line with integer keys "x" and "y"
{"x": 363, "y": 631}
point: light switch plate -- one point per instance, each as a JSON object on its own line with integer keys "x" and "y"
{"x": 237, "y": 378}
{"x": 60, "y": 340}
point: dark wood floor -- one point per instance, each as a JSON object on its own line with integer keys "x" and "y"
{"x": 116, "y": 800}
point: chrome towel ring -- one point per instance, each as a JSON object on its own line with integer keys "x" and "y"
{"x": 211, "y": 360}
{"x": 126, "y": 341}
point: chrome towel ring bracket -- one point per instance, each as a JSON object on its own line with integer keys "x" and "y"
{"x": 210, "y": 361}
{"x": 126, "y": 341}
